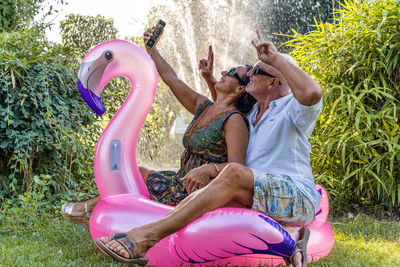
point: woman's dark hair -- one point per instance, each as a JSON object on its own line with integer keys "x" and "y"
{"x": 246, "y": 101}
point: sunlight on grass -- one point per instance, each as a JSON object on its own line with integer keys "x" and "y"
{"x": 361, "y": 241}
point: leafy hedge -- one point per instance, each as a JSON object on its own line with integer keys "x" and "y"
{"x": 8, "y": 14}
{"x": 44, "y": 127}
{"x": 47, "y": 133}
{"x": 81, "y": 33}
{"x": 18, "y": 14}
{"x": 356, "y": 147}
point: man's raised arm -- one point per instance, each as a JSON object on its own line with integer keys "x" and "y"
{"x": 304, "y": 88}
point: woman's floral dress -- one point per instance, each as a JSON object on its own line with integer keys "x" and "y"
{"x": 203, "y": 144}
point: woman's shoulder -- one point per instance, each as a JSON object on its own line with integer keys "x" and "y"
{"x": 235, "y": 116}
{"x": 207, "y": 102}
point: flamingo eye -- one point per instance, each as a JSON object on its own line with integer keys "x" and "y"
{"x": 108, "y": 55}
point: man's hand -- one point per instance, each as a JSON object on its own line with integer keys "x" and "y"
{"x": 206, "y": 66}
{"x": 266, "y": 51}
{"x": 146, "y": 37}
{"x": 198, "y": 177}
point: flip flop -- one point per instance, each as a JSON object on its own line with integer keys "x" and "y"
{"x": 301, "y": 246}
{"x": 129, "y": 245}
{"x": 66, "y": 212}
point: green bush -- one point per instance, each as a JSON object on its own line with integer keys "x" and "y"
{"x": 7, "y": 14}
{"x": 19, "y": 14}
{"x": 81, "y": 33}
{"x": 356, "y": 147}
{"x": 45, "y": 127}
{"x": 33, "y": 206}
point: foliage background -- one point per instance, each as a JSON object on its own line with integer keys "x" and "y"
{"x": 43, "y": 120}
{"x": 356, "y": 147}
{"x": 48, "y": 134}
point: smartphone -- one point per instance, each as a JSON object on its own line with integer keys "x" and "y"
{"x": 156, "y": 34}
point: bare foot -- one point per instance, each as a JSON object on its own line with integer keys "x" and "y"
{"x": 142, "y": 239}
{"x": 301, "y": 238}
{"x": 79, "y": 209}
{"x": 297, "y": 259}
{"x": 115, "y": 246}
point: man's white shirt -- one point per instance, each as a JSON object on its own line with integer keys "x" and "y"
{"x": 279, "y": 144}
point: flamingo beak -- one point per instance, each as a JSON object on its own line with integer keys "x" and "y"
{"x": 89, "y": 78}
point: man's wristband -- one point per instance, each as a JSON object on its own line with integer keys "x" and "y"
{"x": 216, "y": 167}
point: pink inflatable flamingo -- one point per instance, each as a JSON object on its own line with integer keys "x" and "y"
{"x": 224, "y": 236}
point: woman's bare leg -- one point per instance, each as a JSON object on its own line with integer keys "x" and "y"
{"x": 79, "y": 208}
{"x": 144, "y": 172}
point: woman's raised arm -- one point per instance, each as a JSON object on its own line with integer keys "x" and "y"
{"x": 206, "y": 67}
{"x": 188, "y": 97}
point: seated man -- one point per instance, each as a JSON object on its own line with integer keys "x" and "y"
{"x": 278, "y": 179}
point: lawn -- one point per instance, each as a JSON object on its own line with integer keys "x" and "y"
{"x": 360, "y": 241}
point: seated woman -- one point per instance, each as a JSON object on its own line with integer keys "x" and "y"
{"x": 218, "y": 134}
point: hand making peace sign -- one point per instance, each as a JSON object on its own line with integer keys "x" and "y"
{"x": 266, "y": 51}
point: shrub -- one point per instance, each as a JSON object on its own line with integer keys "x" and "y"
{"x": 18, "y": 14}
{"x": 356, "y": 147}
{"x": 44, "y": 128}
{"x": 81, "y": 33}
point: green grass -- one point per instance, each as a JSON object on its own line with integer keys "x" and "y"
{"x": 57, "y": 243}
{"x": 362, "y": 241}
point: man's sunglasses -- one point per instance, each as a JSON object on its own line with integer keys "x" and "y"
{"x": 256, "y": 70}
{"x": 233, "y": 73}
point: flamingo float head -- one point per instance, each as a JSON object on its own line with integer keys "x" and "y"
{"x": 108, "y": 60}
{"x": 89, "y": 79}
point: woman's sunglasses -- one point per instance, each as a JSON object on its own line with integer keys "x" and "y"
{"x": 256, "y": 70}
{"x": 233, "y": 73}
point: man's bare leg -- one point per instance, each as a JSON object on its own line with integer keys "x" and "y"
{"x": 235, "y": 182}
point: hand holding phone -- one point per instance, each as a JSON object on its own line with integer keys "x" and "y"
{"x": 156, "y": 34}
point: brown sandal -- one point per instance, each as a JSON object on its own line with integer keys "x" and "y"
{"x": 129, "y": 245}
{"x": 66, "y": 212}
{"x": 301, "y": 246}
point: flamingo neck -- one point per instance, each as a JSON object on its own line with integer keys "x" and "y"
{"x": 116, "y": 169}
